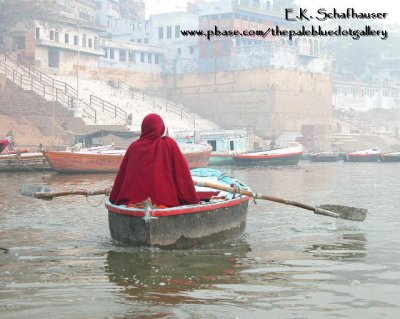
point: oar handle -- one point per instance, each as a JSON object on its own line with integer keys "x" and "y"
{"x": 84, "y": 192}
{"x": 254, "y": 195}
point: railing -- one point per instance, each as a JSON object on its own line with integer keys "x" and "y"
{"x": 354, "y": 121}
{"x": 49, "y": 93}
{"x": 108, "y": 107}
{"x": 160, "y": 103}
{"x": 66, "y": 91}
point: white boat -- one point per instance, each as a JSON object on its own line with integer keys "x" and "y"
{"x": 282, "y": 156}
{"x": 368, "y": 155}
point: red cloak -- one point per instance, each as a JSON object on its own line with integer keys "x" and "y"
{"x": 154, "y": 166}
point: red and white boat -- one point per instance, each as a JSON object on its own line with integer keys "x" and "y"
{"x": 368, "y": 155}
{"x": 107, "y": 160}
{"x": 4, "y": 144}
{"x": 282, "y": 156}
{"x": 220, "y": 216}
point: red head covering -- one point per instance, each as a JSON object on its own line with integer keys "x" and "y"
{"x": 154, "y": 167}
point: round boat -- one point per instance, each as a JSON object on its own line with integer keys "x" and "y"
{"x": 220, "y": 216}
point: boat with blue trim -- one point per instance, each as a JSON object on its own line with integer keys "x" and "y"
{"x": 220, "y": 216}
{"x": 324, "y": 157}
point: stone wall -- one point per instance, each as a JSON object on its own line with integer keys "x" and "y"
{"x": 270, "y": 101}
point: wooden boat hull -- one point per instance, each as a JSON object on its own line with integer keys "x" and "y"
{"x": 362, "y": 158}
{"x": 198, "y": 159}
{"x": 70, "y": 162}
{"x": 76, "y": 162}
{"x": 181, "y": 227}
{"x": 23, "y": 162}
{"x": 391, "y": 158}
{"x": 287, "y": 159}
{"x": 221, "y": 159}
{"x": 324, "y": 157}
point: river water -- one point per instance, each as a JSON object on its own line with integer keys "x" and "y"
{"x": 57, "y": 258}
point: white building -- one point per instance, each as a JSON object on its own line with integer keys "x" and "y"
{"x": 131, "y": 56}
{"x": 363, "y": 97}
{"x": 59, "y": 42}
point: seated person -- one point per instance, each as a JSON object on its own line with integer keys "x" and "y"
{"x": 154, "y": 167}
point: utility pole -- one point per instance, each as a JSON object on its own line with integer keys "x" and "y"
{"x": 77, "y": 106}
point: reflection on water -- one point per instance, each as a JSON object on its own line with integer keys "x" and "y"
{"x": 161, "y": 276}
{"x": 349, "y": 246}
{"x": 57, "y": 257}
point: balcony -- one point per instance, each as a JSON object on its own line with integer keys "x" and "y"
{"x": 69, "y": 47}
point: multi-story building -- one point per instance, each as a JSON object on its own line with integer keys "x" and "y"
{"x": 60, "y": 44}
{"x": 249, "y": 52}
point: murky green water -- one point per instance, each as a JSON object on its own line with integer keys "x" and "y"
{"x": 57, "y": 259}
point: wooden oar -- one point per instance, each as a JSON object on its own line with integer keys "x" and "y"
{"x": 335, "y": 211}
{"x": 48, "y": 194}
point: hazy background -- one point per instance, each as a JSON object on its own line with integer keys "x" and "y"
{"x": 389, "y": 6}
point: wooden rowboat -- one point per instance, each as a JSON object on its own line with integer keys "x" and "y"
{"x": 23, "y": 162}
{"x": 369, "y": 155}
{"x": 197, "y": 155}
{"x": 324, "y": 157}
{"x": 391, "y": 157}
{"x": 220, "y": 216}
{"x": 283, "y": 156}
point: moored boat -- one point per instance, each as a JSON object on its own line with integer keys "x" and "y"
{"x": 23, "y": 162}
{"x": 3, "y": 144}
{"x": 108, "y": 160}
{"x": 197, "y": 155}
{"x": 391, "y": 157}
{"x": 220, "y": 216}
{"x": 368, "y": 155}
{"x": 324, "y": 157}
{"x": 218, "y": 158}
{"x": 283, "y": 156}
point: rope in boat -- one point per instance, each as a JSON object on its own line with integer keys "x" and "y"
{"x": 20, "y": 162}
{"x": 95, "y": 205}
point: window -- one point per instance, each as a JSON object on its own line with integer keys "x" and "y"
{"x": 149, "y": 58}
{"x": 146, "y": 40}
{"x": 179, "y": 51}
{"x": 139, "y": 40}
{"x": 90, "y": 42}
{"x": 160, "y": 32}
{"x": 84, "y": 15}
{"x": 232, "y": 145}
{"x": 131, "y": 56}
{"x": 84, "y": 41}
{"x": 54, "y": 58}
{"x": 96, "y": 45}
{"x": 156, "y": 59}
{"x": 75, "y": 39}
{"x": 66, "y": 38}
{"x": 51, "y": 35}
{"x": 122, "y": 55}
{"x": 37, "y": 33}
{"x": 191, "y": 50}
{"x": 105, "y": 53}
{"x": 57, "y": 36}
{"x": 177, "y": 31}
{"x": 111, "y": 54}
{"x": 169, "y": 32}
{"x": 19, "y": 42}
{"x": 142, "y": 57}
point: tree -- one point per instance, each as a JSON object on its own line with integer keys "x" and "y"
{"x": 14, "y": 12}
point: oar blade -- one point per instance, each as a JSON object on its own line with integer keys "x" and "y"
{"x": 346, "y": 212}
{"x": 30, "y": 189}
